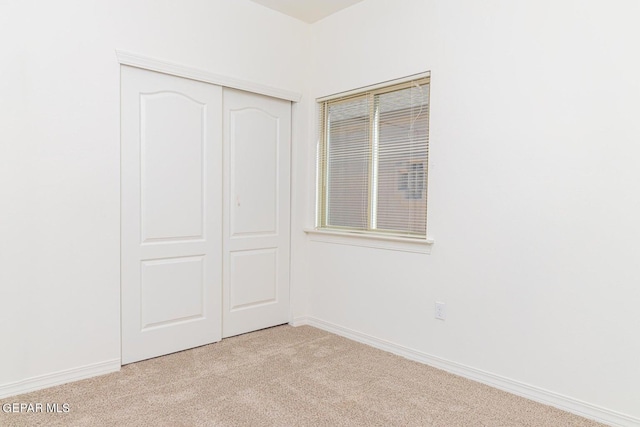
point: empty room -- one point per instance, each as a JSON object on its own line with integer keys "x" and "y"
{"x": 320, "y": 212}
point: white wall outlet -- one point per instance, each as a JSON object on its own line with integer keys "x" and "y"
{"x": 441, "y": 311}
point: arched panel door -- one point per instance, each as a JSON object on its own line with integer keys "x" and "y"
{"x": 171, "y": 234}
{"x": 257, "y": 139}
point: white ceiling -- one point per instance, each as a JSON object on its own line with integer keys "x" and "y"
{"x": 307, "y": 10}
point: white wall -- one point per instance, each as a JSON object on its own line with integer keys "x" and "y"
{"x": 59, "y": 154}
{"x": 533, "y": 194}
{"x": 533, "y": 190}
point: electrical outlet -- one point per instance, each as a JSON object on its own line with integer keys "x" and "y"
{"x": 441, "y": 312}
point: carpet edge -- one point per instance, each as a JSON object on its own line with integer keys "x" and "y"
{"x": 537, "y": 394}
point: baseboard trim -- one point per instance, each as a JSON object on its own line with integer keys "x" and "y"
{"x": 301, "y": 321}
{"x": 537, "y": 394}
{"x": 60, "y": 377}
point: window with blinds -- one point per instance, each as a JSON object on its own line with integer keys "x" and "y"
{"x": 372, "y": 160}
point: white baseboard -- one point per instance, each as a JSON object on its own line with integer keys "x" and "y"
{"x": 57, "y": 378}
{"x": 537, "y": 394}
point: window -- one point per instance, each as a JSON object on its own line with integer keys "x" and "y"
{"x": 372, "y": 160}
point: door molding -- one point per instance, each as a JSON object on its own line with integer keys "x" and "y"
{"x": 174, "y": 69}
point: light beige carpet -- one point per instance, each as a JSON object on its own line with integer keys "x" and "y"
{"x": 284, "y": 376}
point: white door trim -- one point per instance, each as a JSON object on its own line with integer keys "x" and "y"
{"x": 167, "y": 67}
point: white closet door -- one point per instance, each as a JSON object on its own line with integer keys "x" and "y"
{"x": 171, "y": 213}
{"x": 257, "y": 139}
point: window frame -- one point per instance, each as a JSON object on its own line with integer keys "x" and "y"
{"x": 381, "y": 236}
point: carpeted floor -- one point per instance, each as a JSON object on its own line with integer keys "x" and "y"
{"x": 284, "y": 376}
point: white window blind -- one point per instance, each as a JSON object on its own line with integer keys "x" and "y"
{"x": 372, "y": 160}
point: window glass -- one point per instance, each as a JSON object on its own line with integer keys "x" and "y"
{"x": 373, "y": 160}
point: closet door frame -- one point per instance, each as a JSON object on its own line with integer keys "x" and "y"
{"x": 179, "y": 70}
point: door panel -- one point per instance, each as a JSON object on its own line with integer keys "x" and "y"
{"x": 257, "y": 138}
{"x": 253, "y": 278}
{"x": 172, "y": 129}
{"x": 169, "y": 280}
{"x": 253, "y": 149}
{"x": 171, "y": 214}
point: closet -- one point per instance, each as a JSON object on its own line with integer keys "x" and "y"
{"x": 205, "y": 193}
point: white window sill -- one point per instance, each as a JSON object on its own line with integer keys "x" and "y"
{"x": 369, "y": 240}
